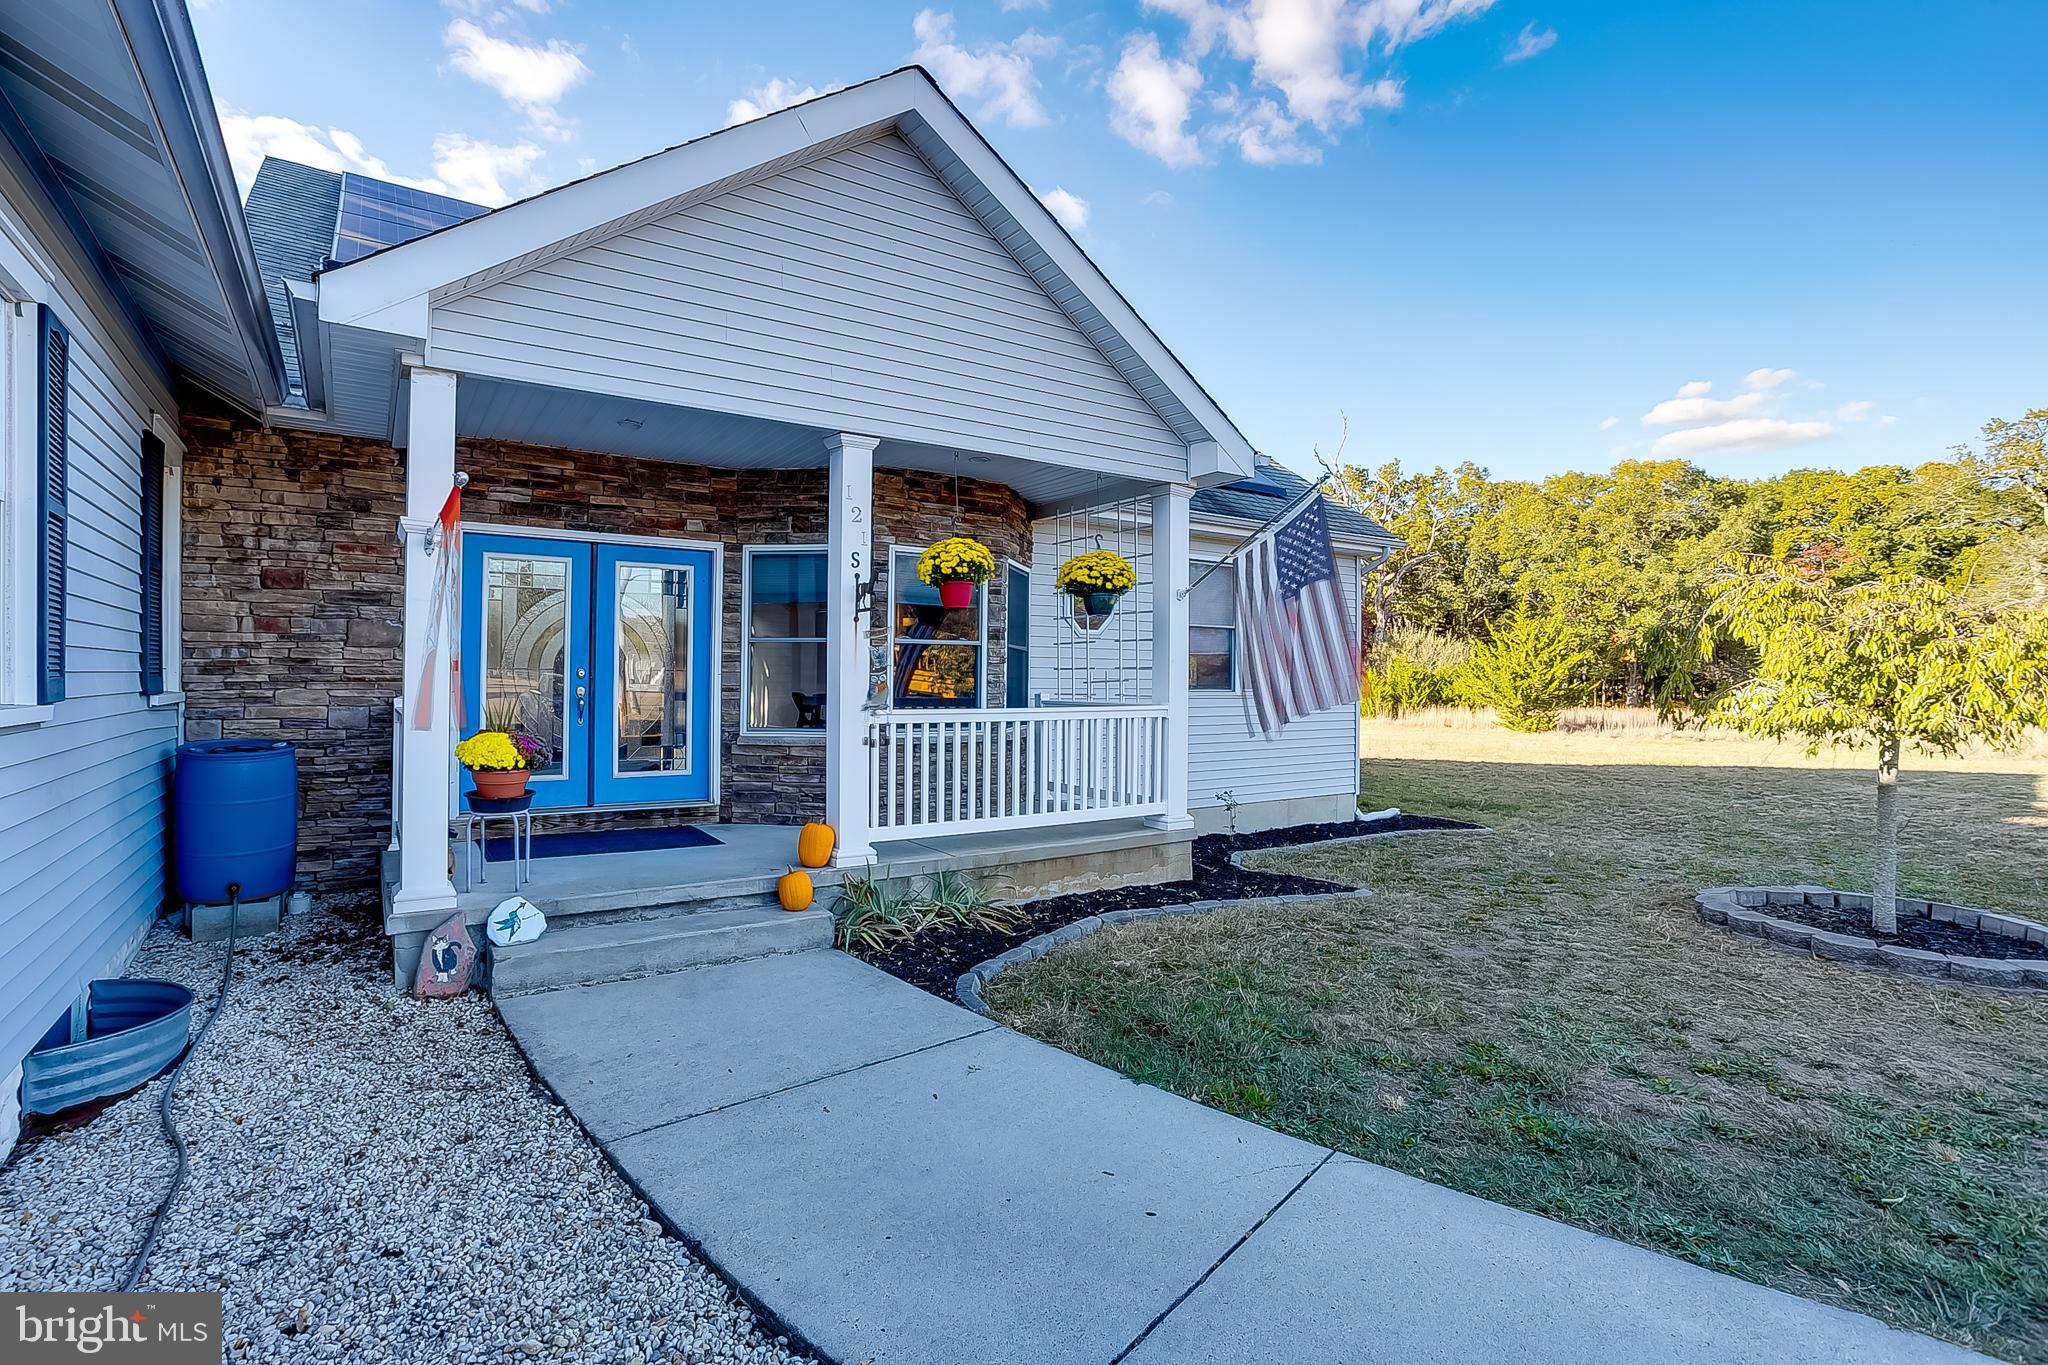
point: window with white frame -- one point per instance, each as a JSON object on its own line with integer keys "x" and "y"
{"x": 169, "y": 578}
{"x": 22, "y": 616}
{"x": 1212, "y": 628}
{"x": 786, "y": 618}
{"x": 1017, "y": 635}
{"x": 936, "y": 651}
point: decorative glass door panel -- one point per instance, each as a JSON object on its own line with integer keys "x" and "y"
{"x": 653, "y": 649}
{"x": 526, "y": 653}
{"x": 601, "y": 652}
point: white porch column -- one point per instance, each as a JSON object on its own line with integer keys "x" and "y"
{"x": 423, "y": 883}
{"x": 850, "y": 538}
{"x": 1170, "y": 643}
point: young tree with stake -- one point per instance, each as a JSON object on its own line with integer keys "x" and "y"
{"x": 1884, "y": 664}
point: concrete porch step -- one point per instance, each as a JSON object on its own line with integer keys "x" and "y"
{"x": 580, "y": 951}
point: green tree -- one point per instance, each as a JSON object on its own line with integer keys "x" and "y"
{"x": 1885, "y": 663}
{"x": 1432, "y": 513}
{"x": 2015, "y": 461}
{"x": 1528, "y": 669}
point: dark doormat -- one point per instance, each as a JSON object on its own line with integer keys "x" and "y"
{"x": 572, "y": 843}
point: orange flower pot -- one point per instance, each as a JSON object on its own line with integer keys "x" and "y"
{"x": 502, "y": 785}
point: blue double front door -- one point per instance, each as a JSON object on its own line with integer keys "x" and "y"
{"x": 603, "y": 653}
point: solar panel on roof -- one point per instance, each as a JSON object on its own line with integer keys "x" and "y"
{"x": 376, "y": 214}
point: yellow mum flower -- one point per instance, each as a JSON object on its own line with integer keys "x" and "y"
{"x": 1097, "y": 571}
{"x": 957, "y": 559}
{"x": 490, "y": 751}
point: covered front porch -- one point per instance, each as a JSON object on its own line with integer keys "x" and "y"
{"x": 747, "y": 669}
{"x": 823, "y": 340}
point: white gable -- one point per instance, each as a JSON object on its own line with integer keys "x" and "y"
{"x": 856, "y": 291}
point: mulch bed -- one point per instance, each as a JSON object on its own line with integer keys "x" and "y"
{"x": 1915, "y": 931}
{"x": 935, "y": 960}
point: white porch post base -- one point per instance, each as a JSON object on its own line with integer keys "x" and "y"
{"x": 1170, "y": 645}
{"x": 423, "y": 882}
{"x": 850, "y": 536}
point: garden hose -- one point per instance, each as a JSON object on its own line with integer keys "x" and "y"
{"x": 163, "y": 1108}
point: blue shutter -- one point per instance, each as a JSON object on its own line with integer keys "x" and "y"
{"x": 152, "y": 565}
{"x": 53, "y": 450}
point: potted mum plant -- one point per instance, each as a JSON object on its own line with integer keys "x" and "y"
{"x": 1096, "y": 580}
{"x": 955, "y": 566}
{"x": 499, "y": 762}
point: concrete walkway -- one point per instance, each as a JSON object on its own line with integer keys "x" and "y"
{"x": 897, "y": 1180}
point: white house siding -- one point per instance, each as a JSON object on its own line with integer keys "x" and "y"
{"x": 1312, "y": 765}
{"x": 854, "y": 293}
{"x": 1315, "y": 757}
{"x": 84, "y": 795}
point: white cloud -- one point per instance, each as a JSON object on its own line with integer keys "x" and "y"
{"x": 996, "y": 75}
{"x": 1207, "y": 22}
{"x": 1307, "y": 73}
{"x": 1694, "y": 388}
{"x": 1759, "y": 380}
{"x": 766, "y": 98}
{"x": 1264, "y": 135}
{"x": 1071, "y": 209}
{"x": 1297, "y": 46}
{"x": 1609, "y": 423}
{"x": 1012, "y": 6}
{"x": 1682, "y": 411}
{"x": 1858, "y": 411}
{"x": 1152, "y": 97}
{"x": 1395, "y": 23}
{"x": 1531, "y": 42}
{"x": 478, "y": 171}
{"x": 1886, "y": 420}
{"x": 1752, "y": 433}
{"x": 465, "y": 167}
{"x": 1159, "y": 199}
{"x": 531, "y": 77}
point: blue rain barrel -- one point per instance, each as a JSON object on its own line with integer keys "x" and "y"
{"x": 237, "y": 811}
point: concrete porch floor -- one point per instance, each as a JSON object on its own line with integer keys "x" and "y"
{"x": 747, "y": 860}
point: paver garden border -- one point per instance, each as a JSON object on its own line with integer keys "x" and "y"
{"x": 968, "y": 989}
{"x": 1746, "y": 910}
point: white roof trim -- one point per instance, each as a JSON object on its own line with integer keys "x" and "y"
{"x": 398, "y": 282}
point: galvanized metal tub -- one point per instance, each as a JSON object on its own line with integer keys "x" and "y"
{"x": 134, "y": 1029}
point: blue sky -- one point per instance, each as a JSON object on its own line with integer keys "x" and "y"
{"x": 1522, "y": 232}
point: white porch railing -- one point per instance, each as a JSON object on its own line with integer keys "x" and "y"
{"x": 950, "y": 772}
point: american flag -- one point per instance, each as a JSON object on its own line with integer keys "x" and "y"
{"x": 1300, "y": 655}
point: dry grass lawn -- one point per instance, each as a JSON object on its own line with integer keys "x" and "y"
{"x": 1537, "y": 1017}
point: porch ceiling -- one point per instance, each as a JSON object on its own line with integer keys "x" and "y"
{"x": 575, "y": 420}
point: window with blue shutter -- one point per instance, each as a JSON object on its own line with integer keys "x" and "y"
{"x": 53, "y": 459}
{"x": 152, "y": 565}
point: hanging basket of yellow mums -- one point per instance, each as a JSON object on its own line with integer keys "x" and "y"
{"x": 1096, "y": 580}
{"x": 954, "y": 566}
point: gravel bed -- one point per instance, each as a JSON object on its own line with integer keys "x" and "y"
{"x": 373, "y": 1178}
{"x": 934, "y": 960}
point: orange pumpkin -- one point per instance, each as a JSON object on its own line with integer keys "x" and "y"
{"x": 814, "y": 845}
{"x": 793, "y": 889}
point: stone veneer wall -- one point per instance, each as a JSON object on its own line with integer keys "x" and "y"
{"x": 293, "y": 598}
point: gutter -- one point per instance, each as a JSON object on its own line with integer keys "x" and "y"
{"x": 160, "y": 41}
